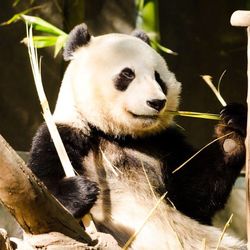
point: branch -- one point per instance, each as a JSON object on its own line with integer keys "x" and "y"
{"x": 35, "y": 209}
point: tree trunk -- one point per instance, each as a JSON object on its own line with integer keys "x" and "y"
{"x": 28, "y": 200}
{"x": 48, "y": 225}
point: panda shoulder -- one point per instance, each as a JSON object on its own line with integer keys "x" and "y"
{"x": 69, "y": 135}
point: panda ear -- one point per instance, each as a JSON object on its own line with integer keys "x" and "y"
{"x": 141, "y": 35}
{"x": 78, "y": 37}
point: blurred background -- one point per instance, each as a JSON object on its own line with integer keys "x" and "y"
{"x": 199, "y": 31}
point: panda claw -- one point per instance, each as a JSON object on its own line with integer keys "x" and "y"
{"x": 234, "y": 117}
{"x": 78, "y": 194}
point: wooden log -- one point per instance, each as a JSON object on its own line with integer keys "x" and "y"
{"x": 28, "y": 200}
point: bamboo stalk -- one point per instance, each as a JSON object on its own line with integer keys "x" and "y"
{"x": 208, "y": 80}
{"x": 242, "y": 19}
{"x": 132, "y": 238}
{"x": 227, "y": 225}
{"x": 68, "y": 169}
{"x": 194, "y": 155}
{"x": 63, "y": 156}
{"x": 247, "y": 143}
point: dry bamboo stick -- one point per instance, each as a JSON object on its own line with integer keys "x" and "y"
{"x": 68, "y": 169}
{"x": 242, "y": 18}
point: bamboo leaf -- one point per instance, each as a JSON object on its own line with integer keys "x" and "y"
{"x": 19, "y": 15}
{"x": 60, "y": 43}
{"x": 16, "y": 3}
{"x": 162, "y": 48}
{"x": 148, "y": 18}
{"x": 140, "y": 5}
{"x": 41, "y": 25}
{"x": 48, "y": 41}
{"x": 42, "y": 41}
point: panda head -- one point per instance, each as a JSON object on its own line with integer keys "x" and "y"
{"x": 117, "y": 83}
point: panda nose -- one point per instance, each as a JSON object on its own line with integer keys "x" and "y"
{"x": 156, "y": 104}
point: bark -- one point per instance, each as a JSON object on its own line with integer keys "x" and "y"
{"x": 34, "y": 208}
{"x": 47, "y": 224}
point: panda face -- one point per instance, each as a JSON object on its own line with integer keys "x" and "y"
{"x": 121, "y": 85}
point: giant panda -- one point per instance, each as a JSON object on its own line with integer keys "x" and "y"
{"x": 113, "y": 116}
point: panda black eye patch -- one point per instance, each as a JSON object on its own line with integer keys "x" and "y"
{"x": 125, "y": 77}
{"x": 161, "y": 82}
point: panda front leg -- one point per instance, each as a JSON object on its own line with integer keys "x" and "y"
{"x": 78, "y": 194}
{"x": 203, "y": 185}
{"x": 233, "y": 122}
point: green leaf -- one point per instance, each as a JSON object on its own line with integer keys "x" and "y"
{"x": 41, "y": 25}
{"x": 162, "y": 48}
{"x": 48, "y": 41}
{"x": 148, "y": 18}
{"x": 19, "y": 15}
{"x": 16, "y": 3}
{"x": 140, "y": 5}
{"x": 60, "y": 43}
{"x": 42, "y": 41}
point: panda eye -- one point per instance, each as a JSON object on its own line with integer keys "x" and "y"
{"x": 125, "y": 77}
{"x": 161, "y": 82}
{"x": 127, "y": 73}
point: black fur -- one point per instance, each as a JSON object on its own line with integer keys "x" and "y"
{"x": 45, "y": 163}
{"x": 198, "y": 190}
{"x": 161, "y": 82}
{"x": 141, "y": 35}
{"x": 78, "y": 37}
{"x": 125, "y": 77}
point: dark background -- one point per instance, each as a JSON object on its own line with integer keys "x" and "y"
{"x": 199, "y": 31}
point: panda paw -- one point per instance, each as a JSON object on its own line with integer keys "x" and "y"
{"x": 234, "y": 119}
{"x": 78, "y": 194}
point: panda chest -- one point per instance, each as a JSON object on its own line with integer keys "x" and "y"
{"x": 115, "y": 164}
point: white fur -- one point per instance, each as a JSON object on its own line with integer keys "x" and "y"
{"x": 86, "y": 93}
{"x": 123, "y": 209}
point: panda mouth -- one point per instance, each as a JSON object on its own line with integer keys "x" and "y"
{"x": 145, "y": 117}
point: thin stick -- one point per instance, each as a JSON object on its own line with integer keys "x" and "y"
{"x": 200, "y": 115}
{"x": 224, "y": 231}
{"x": 203, "y": 244}
{"x": 68, "y": 169}
{"x": 150, "y": 186}
{"x": 63, "y": 156}
{"x": 247, "y": 142}
{"x": 114, "y": 169}
{"x": 153, "y": 193}
{"x": 189, "y": 159}
{"x": 208, "y": 80}
{"x": 241, "y": 18}
{"x": 132, "y": 238}
{"x": 220, "y": 80}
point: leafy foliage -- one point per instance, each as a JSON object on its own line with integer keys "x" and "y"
{"x": 54, "y": 36}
